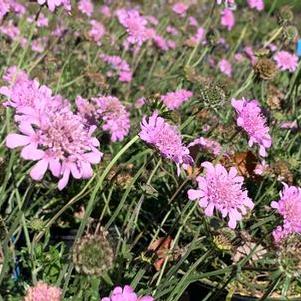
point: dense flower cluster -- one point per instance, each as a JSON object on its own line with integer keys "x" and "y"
{"x": 289, "y": 206}
{"x": 166, "y": 138}
{"x": 126, "y": 294}
{"x": 52, "y": 4}
{"x": 221, "y": 190}
{"x": 43, "y": 292}
{"x": 250, "y": 118}
{"x": 49, "y": 132}
{"x": 173, "y": 100}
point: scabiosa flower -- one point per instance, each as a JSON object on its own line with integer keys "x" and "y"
{"x": 221, "y": 190}
{"x": 197, "y": 38}
{"x": 97, "y": 31}
{"x": 121, "y": 66}
{"x": 286, "y": 61}
{"x": 43, "y": 292}
{"x": 225, "y": 67}
{"x": 52, "y": 4}
{"x": 135, "y": 25}
{"x": 289, "y": 206}
{"x": 257, "y": 4}
{"x": 4, "y": 8}
{"x": 115, "y": 116}
{"x": 86, "y": 7}
{"x": 180, "y": 8}
{"x": 173, "y": 100}
{"x": 227, "y": 18}
{"x": 212, "y": 146}
{"x": 250, "y": 118}
{"x": 166, "y": 138}
{"x": 126, "y": 293}
{"x": 50, "y": 133}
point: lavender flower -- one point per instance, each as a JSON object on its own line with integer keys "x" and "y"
{"x": 165, "y": 138}
{"x": 125, "y": 293}
{"x": 173, "y": 100}
{"x": 289, "y": 206}
{"x": 221, "y": 190}
{"x": 253, "y": 122}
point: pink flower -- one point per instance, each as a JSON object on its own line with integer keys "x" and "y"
{"x": 97, "y": 31}
{"x": 165, "y": 138}
{"x": 198, "y": 37}
{"x": 105, "y": 10}
{"x": 227, "y": 18}
{"x": 257, "y": 4}
{"x": 125, "y": 294}
{"x": 250, "y": 54}
{"x": 250, "y": 118}
{"x": 192, "y": 21}
{"x": 4, "y": 8}
{"x": 135, "y": 25}
{"x": 221, "y": 190}
{"x": 50, "y": 133}
{"x": 43, "y": 292}
{"x": 114, "y": 115}
{"x": 52, "y": 4}
{"x": 121, "y": 66}
{"x": 286, "y": 61}
{"x": 86, "y": 7}
{"x": 180, "y": 8}
{"x": 225, "y": 67}
{"x": 173, "y": 100}
{"x": 289, "y": 206}
{"x": 139, "y": 103}
{"x": 208, "y": 144}
{"x": 39, "y": 45}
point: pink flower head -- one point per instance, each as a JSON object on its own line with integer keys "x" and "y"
{"x": 43, "y": 292}
{"x": 180, "y": 8}
{"x": 135, "y": 25}
{"x": 289, "y": 206}
{"x": 212, "y": 146}
{"x": 250, "y": 118}
{"x": 166, "y": 138}
{"x": 227, "y": 18}
{"x": 97, "y": 31}
{"x": 286, "y": 61}
{"x": 173, "y": 100}
{"x": 121, "y": 66}
{"x": 114, "y": 115}
{"x": 257, "y": 4}
{"x": 125, "y": 294}
{"x": 250, "y": 54}
{"x": 105, "y": 10}
{"x": 50, "y": 133}
{"x": 225, "y": 67}
{"x": 52, "y": 4}
{"x": 221, "y": 190}
{"x": 86, "y": 7}
{"x": 4, "y": 8}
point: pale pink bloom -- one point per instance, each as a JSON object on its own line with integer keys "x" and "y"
{"x": 257, "y": 4}
{"x": 39, "y": 45}
{"x": 286, "y": 61}
{"x": 289, "y": 125}
{"x": 225, "y": 67}
{"x": 222, "y": 190}
{"x": 135, "y": 25}
{"x": 239, "y": 57}
{"x": 211, "y": 145}
{"x": 180, "y": 8}
{"x": 126, "y": 294}
{"x": 227, "y": 18}
{"x": 4, "y": 8}
{"x": 43, "y": 292}
{"x": 166, "y": 139}
{"x": 106, "y": 11}
{"x": 86, "y": 7}
{"x": 160, "y": 42}
{"x": 52, "y": 4}
{"x": 198, "y": 37}
{"x": 17, "y": 7}
{"x": 261, "y": 168}
{"x": 250, "y": 118}
{"x": 152, "y": 20}
{"x": 139, "y": 103}
{"x": 250, "y": 54}
{"x": 97, "y": 31}
{"x": 172, "y": 30}
{"x": 10, "y": 30}
{"x": 192, "y": 21}
{"x": 289, "y": 206}
{"x": 173, "y": 100}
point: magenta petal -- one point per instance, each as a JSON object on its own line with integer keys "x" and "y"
{"x": 16, "y": 140}
{"x": 39, "y": 169}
